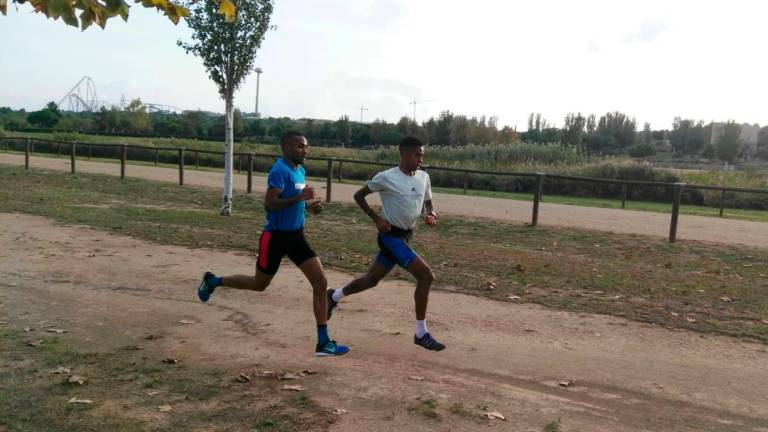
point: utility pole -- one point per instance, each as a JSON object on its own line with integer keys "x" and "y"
{"x": 414, "y": 103}
{"x": 258, "y": 77}
{"x": 361, "y": 108}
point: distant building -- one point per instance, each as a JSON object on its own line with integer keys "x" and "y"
{"x": 749, "y": 134}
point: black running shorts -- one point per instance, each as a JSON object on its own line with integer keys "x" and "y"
{"x": 274, "y": 245}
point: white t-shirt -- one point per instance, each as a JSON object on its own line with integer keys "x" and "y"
{"x": 402, "y": 195}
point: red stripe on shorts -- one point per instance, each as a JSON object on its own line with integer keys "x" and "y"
{"x": 264, "y": 249}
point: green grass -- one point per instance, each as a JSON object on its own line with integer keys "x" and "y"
{"x": 641, "y": 278}
{"x": 33, "y": 399}
{"x": 751, "y": 215}
{"x": 554, "y": 426}
{"x": 729, "y": 213}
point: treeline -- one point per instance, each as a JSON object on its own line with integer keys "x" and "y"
{"x": 609, "y": 134}
{"x": 135, "y": 119}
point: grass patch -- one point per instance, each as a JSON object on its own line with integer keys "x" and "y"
{"x": 426, "y": 408}
{"x": 729, "y": 213}
{"x": 554, "y": 426}
{"x": 34, "y": 399}
{"x": 641, "y": 278}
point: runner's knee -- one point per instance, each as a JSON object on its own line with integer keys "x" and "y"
{"x": 319, "y": 283}
{"x": 426, "y": 276}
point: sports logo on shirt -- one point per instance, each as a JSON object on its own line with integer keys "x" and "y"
{"x": 300, "y": 186}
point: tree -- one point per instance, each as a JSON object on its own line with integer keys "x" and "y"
{"x": 92, "y": 11}
{"x": 728, "y": 145}
{"x": 46, "y": 117}
{"x": 228, "y": 50}
{"x": 135, "y": 118}
{"x": 573, "y": 131}
{"x": 762, "y": 137}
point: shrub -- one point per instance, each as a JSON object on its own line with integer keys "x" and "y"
{"x": 641, "y": 150}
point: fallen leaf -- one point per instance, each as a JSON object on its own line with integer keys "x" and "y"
{"x": 394, "y": 333}
{"x": 566, "y": 383}
{"x": 764, "y": 322}
{"x": 297, "y": 388}
{"x": 514, "y": 297}
{"x": 243, "y": 378}
{"x": 529, "y": 330}
{"x": 186, "y": 322}
{"x": 164, "y": 408}
{"x": 57, "y": 331}
{"x": 668, "y": 265}
{"x": 416, "y": 378}
{"x": 492, "y": 415}
{"x": 3, "y": 322}
{"x": 153, "y": 393}
{"x": 309, "y": 371}
{"x": 339, "y": 411}
{"x": 61, "y": 370}
{"x": 520, "y": 268}
{"x": 748, "y": 265}
{"x": 152, "y": 337}
{"x": 674, "y": 314}
{"x": 289, "y": 376}
{"x": 35, "y": 343}
{"x": 77, "y": 379}
{"x": 28, "y": 329}
{"x": 691, "y": 319}
{"x": 266, "y": 373}
{"x": 75, "y": 400}
{"x": 726, "y": 299}
{"x": 171, "y": 360}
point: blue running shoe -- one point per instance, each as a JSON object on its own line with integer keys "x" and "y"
{"x": 428, "y": 342}
{"x": 331, "y": 303}
{"x": 331, "y": 348}
{"x": 205, "y": 290}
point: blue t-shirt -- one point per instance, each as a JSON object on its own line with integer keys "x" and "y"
{"x": 290, "y": 180}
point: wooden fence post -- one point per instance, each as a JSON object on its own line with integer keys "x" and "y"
{"x": 623, "y": 195}
{"x": 466, "y": 181}
{"x": 250, "y": 172}
{"x": 537, "y": 197}
{"x": 677, "y": 193}
{"x": 26, "y": 154}
{"x": 329, "y": 180}
{"x": 181, "y": 166}
{"x": 123, "y": 157}
{"x": 73, "y": 153}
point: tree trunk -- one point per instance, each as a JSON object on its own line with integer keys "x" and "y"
{"x": 226, "y": 203}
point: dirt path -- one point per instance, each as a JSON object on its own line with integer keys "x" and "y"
{"x": 109, "y": 291}
{"x": 709, "y": 229}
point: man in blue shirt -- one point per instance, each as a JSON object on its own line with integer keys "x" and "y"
{"x": 286, "y": 199}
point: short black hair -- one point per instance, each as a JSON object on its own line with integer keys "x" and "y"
{"x": 409, "y": 143}
{"x": 284, "y": 138}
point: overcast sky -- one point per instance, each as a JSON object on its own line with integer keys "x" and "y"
{"x": 653, "y": 60}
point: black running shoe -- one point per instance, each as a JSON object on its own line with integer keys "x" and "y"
{"x": 428, "y": 342}
{"x": 331, "y": 303}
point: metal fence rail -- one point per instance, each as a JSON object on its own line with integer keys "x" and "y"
{"x": 247, "y": 159}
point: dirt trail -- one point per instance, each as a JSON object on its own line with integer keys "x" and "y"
{"x": 109, "y": 291}
{"x": 728, "y": 231}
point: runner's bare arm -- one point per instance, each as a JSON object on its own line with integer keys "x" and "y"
{"x": 380, "y": 222}
{"x": 273, "y": 202}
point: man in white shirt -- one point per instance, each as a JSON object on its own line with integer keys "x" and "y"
{"x": 404, "y": 191}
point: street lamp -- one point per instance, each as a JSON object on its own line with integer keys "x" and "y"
{"x": 258, "y": 76}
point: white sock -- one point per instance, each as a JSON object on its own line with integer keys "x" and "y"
{"x": 338, "y": 295}
{"x": 421, "y": 328}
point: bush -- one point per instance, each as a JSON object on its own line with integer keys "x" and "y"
{"x": 641, "y": 150}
